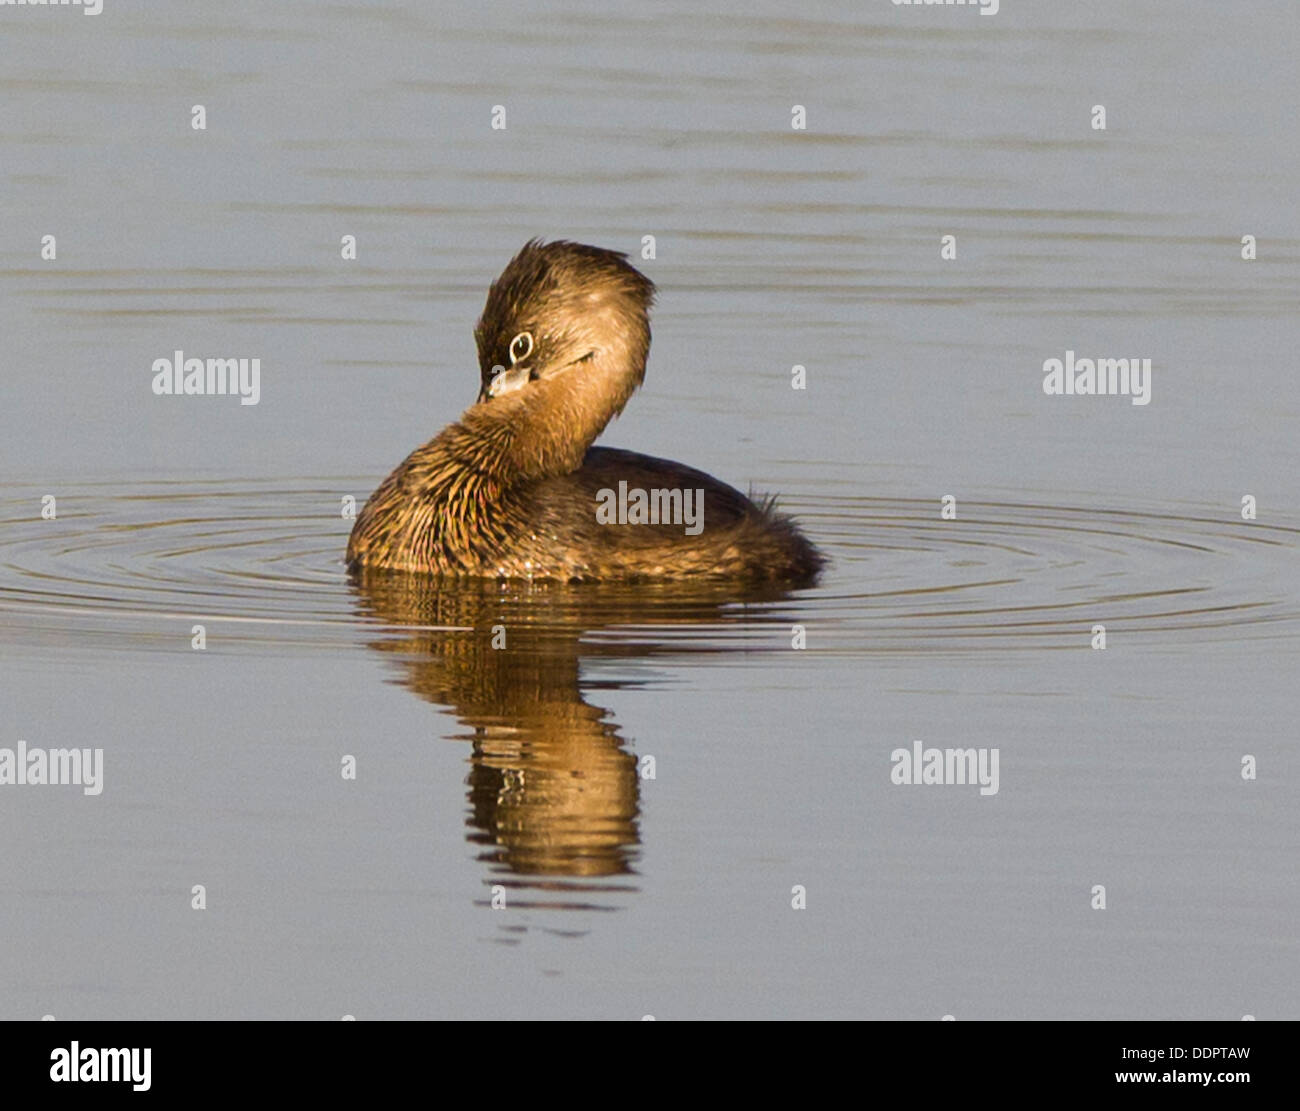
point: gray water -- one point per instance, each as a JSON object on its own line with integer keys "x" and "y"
{"x": 484, "y": 775}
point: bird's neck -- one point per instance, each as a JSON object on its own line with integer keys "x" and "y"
{"x": 542, "y": 430}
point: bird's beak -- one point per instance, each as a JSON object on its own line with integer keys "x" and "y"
{"x": 506, "y": 380}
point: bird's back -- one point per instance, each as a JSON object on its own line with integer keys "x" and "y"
{"x": 593, "y": 523}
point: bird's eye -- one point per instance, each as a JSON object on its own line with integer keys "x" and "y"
{"x": 521, "y": 347}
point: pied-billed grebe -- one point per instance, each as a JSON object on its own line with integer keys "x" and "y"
{"x": 514, "y": 489}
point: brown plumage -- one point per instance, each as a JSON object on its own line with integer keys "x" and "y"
{"x": 511, "y": 489}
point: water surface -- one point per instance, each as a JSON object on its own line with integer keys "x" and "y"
{"x": 523, "y": 772}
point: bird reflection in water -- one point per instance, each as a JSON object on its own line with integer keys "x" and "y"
{"x": 554, "y": 788}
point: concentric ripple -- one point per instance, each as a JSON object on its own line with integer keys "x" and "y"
{"x": 263, "y": 559}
